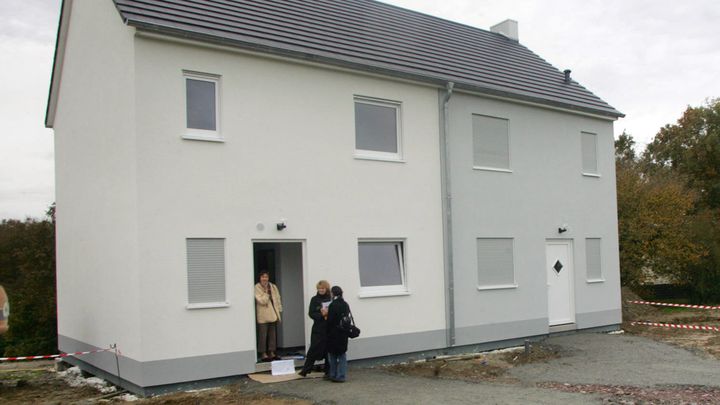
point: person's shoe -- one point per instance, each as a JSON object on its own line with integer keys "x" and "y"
{"x": 337, "y": 381}
{"x": 303, "y": 373}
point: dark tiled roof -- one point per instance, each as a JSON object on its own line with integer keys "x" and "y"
{"x": 369, "y": 35}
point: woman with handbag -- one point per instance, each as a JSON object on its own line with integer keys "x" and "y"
{"x": 268, "y": 308}
{"x": 318, "y": 312}
{"x": 337, "y": 337}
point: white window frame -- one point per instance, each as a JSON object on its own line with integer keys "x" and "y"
{"x": 385, "y": 290}
{"x": 207, "y": 305}
{"x": 377, "y": 155}
{"x": 597, "y": 160}
{"x": 509, "y": 286}
{"x": 509, "y": 169}
{"x": 202, "y": 134}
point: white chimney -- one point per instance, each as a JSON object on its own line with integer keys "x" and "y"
{"x": 509, "y": 28}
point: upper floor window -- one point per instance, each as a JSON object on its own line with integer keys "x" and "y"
{"x": 201, "y": 106}
{"x": 377, "y": 129}
{"x": 491, "y": 143}
{"x": 589, "y": 154}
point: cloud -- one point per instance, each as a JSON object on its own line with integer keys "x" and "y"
{"x": 27, "y": 39}
{"x": 34, "y": 20}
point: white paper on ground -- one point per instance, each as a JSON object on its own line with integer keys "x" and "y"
{"x": 283, "y": 367}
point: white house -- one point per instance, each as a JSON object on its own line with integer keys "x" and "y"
{"x": 459, "y": 188}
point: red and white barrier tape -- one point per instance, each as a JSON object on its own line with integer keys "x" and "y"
{"x": 52, "y": 356}
{"x": 672, "y": 325}
{"x": 664, "y": 304}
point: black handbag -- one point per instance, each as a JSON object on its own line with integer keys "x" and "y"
{"x": 347, "y": 325}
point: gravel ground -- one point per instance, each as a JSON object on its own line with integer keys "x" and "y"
{"x": 592, "y": 369}
{"x": 621, "y": 360}
{"x": 371, "y": 386}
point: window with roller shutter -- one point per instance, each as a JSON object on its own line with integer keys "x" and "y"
{"x": 206, "y": 270}
{"x": 495, "y": 263}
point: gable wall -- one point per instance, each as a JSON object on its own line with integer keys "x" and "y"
{"x": 97, "y": 273}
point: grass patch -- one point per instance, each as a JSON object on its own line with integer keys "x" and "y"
{"x": 673, "y": 310}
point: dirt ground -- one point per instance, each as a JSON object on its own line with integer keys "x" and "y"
{"x": 491, "y": 366}
{"x": 625, "y": 394}
{"x": 37, "y": 383}
{"x": 697, "y": 340}
{"x": 230, "y": 394}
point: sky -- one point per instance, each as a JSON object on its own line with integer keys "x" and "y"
{"x": 649, "y": 59}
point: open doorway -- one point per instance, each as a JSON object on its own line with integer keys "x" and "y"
{"x": 284, "y": 262}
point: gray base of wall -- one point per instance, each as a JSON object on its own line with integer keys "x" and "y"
{"x": 469, "y": 335}
{"x": 163, "y": 376}
{"x": 599, "y": 318}
{"x": 111, "y": 377}
{"x": 146, "y": 378}
{"x": 155, "y": 390}
{"x": 380, "y": 346}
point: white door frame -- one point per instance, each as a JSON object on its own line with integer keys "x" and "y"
{"x": 305, "y": 278}
{"x": 571, "y": 277}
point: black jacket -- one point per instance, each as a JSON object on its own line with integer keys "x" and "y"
{"x": 337, "y": 338}
{"x": 318, "y": 336}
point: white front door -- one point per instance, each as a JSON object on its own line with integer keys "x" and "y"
{"x": 560, "y": 270}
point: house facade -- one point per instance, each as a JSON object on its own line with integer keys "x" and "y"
{"x": 199, "y": 144}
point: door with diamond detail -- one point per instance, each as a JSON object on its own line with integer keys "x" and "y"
{"x": 560, "y": 275}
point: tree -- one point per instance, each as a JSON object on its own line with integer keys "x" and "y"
{"x": 27, "y": 270}
{"x": 704, "y": 276}
{"x": 691, "y": 148}
{"x": 654, "y": 221}
{"x": 625, "y": 150}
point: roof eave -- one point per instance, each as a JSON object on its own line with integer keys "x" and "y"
{"x": 58, "y": 58}
{"x": 294, "y": 54}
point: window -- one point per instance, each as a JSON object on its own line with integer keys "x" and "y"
{"x": 377, "y": 129}
{"x": 491, "y": 143}
{"x": 594, "y": 261}
{"x": 495, "y": 263}
{"x": 589, "y": 154}
{"x": 201, "y": 107}
{"x": 382, "y": 268}
{"x": 206, "y": 272}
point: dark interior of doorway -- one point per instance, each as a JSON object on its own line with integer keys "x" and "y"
{"x": 283, "y": 261}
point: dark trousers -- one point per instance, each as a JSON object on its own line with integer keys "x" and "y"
{"x": 310, "y": 362}
{"x": 267, "y": 337}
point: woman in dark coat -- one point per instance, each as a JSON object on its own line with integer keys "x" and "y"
{"x": 337, "y": 338}
{"x": 318, "y": 311}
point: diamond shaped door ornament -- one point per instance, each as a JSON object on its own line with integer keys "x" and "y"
{"x": 558, "y": 266}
